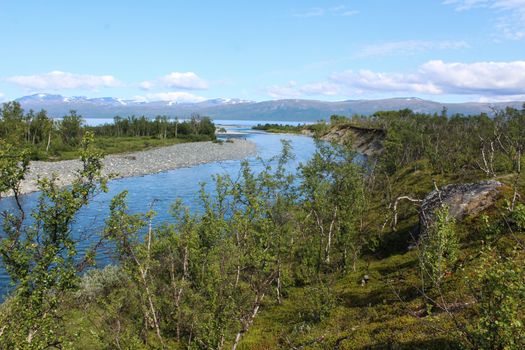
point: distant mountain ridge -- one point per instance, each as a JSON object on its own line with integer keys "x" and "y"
{"x": 283, "y": 110}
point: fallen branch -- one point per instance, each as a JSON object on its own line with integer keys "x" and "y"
{"x": 413, "y": 200}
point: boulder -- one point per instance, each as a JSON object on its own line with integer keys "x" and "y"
{"x": 460, "y": 199}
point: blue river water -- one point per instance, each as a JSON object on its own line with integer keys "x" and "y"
{"x": 160, "y": 191}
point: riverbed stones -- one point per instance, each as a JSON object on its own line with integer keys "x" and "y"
{"x": 144, "y": 162}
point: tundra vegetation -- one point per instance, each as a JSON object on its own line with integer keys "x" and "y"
{"x": 46, "y": 138}
{"x": 319, "y": 259}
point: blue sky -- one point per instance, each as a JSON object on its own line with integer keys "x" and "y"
{"x": 444, "y": 50}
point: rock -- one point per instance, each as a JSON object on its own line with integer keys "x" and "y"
{"x": 365, "y": 280}
{"x": 460, "y": 199}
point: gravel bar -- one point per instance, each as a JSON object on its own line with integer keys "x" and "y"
{"x": 144, "y": 162}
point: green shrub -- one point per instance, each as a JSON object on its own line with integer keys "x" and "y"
{"x": 518, "y": 216}
{"x": 439, "y": 247}
{"x": 318, "y": 302}
{"x": 500, "y": 296}
{"x": 99, "y": 283}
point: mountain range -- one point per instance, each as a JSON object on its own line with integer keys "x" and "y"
{"x": 282, "y": 110}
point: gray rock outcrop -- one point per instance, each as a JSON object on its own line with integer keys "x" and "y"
{"x": 460, "y": 199}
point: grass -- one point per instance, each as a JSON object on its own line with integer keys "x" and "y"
{"x": 115, "y": 145}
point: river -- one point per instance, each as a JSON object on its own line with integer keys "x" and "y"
{"x": 161, "y": 190}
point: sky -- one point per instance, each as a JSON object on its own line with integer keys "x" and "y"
{"x": 185, "y": 51}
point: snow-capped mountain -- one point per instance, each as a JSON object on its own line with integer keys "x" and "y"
{"x": 42, "y": 98}
{"x": 225, "y": 108}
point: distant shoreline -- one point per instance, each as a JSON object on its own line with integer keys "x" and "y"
{"x": 143, "y": 162}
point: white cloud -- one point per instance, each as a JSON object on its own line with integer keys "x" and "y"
{"x": 174, "y": 96}
{"x": 177, "y": 80}
{"x": 409, "y": 47}
{"x": 493, "y": 80}
{"x": 146, "y": 85}
{"x": 349, "y": 13}
{"x": 487, "y": 99}
{"x": 369, "y": 81}
{"x": 284, "y": 91}
{"x": 138, "y": 98}
{"x": 320, "y": 88}
{"x": 2, "y": 97}
{"x": 490, "y": 78}
{"x": 403, "y": 47}
{"x": 187, "y": 80}
{"x": 57, "y": 80}
{"x": 462, "y": 5}
{"x": 510, "y": 14}
{"x": 292, "y": 89}
{"x": 322, "y": 11}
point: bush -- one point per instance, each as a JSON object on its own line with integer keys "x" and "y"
{"x": 318, "y": 302}
{"x": 100, "y": 282}
{"x": 500, "y": 298}
{"x": 439, "y": 248}
{"x": 518, "y": 216}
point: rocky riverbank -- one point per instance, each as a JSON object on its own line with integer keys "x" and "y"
{"x": 144, "y": 162}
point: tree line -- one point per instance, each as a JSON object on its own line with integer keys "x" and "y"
{"x": 161, "y": 127}
{"x": 46, "y": 137}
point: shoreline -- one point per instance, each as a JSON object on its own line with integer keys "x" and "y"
{"x": 143, "y": 162}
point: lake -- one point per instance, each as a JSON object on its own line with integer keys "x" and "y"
{"x": 161, "y": 190}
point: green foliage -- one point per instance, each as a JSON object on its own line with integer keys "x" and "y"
{"x": 98, "y": 283}
{"x": 216, "y": 267}
{"x": 280, "y": 128}
{"x": 317, "y": 304}
{"x": 71, "y": 129}
{"x": 439, "y": 248}
{"x": 447, "y": 142}
{"x": 108, "y": 311}
{"x": 41, "y": 257}
{"x": 13, "y": 167}
{"x": 333, "y": 189}
{"x": 273, "y": 260}
{"x": 12, "y": 122}
{"x": 338, "y": 119}
{"x": 499, "y": 289}
{"x": 43, "y": 138}
{"x": 518, "y": 216}
{"x": 161, "y": 127}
